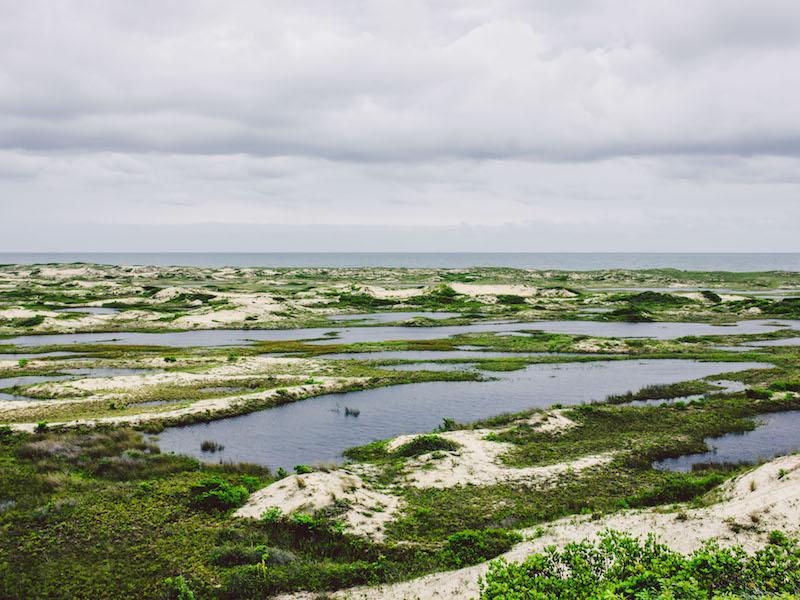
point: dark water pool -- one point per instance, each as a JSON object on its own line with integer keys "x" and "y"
{"x": 777, "y": 434}
{"x": 316, "y": 429}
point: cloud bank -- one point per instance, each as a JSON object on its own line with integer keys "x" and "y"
{"x": 602, "y": 125}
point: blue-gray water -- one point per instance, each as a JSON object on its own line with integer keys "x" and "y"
{"x": 317, "y": 430}
{"x": 777, "y": 434}
{"x": 573, "y": 261}
{"x": 352, "y": 335}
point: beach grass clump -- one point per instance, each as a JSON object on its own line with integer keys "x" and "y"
{"x": 661, "y": 392}
{"x": 474, "y": 546}
{"x": 211, "y": 446}
{"x": 510, "y": 299}
{"x": 424, "y": 444}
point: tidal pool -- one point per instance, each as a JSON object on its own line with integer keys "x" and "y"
{"x": 350, "y": 335}
{"x": 727, "y": 387}
{"x": 776, "y": 434}
{"x": 772, "y": 343}
{"x": 317, "y": 430}
{"x": 7, "y": 382}
{"x": 28, "y": 355}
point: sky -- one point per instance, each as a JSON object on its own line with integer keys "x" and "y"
{"x": 499, "y": 125}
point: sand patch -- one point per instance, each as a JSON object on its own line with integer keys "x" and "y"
{"x": 24, "y": 313}
{"x": 368, "y": 510}
{"x": 601, "y": 345}
{"x": 394, "y": 294}
{"x": 478, "y": 461}
{"x": 551, "y": 421}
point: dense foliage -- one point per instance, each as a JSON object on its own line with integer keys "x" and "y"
{"x": 620, "y": 567}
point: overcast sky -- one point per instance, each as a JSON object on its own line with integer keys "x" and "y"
{"x": 491, "y": 125}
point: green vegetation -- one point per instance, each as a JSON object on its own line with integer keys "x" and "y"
{"x": 619, "y": 567}
{"x": 665, "y": 392}
{"x": 423, "y": 444}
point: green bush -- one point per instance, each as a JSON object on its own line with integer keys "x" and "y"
{"x": 618, "y": 566}
{"x": 261, "y": 580}
{"x": 176, "y": 588}
{"x": 216, "y": 494}
{"x": 231, "y": 556}
{"x": 675, "y": 487}
{"x": 423, "y": 444}
{"x": 510, "y": 299}
{"x": 28, "y": 321}
{"x": 471, "y": 546}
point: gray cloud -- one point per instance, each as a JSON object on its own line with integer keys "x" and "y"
{"x": 574, "y": 115}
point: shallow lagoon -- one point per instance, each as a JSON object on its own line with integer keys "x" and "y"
{"x": 776, "y": 434}
{"x": 89, "y": 310}
{"x": 316, "y": 429}
{"x": 350, "y": 335}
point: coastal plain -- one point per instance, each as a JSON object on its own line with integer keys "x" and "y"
{"x": 381, "y": 432}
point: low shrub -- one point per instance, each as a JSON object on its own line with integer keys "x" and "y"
{"x": 215, "y": 494}
{"x": 675, "y": 487}
{"x": 423, "y": 444}
{"x": 472, "y": 546}
{"x": 510, "y": 299}
{"x": 232, "y": 556}
{"x": 176, "y": 588}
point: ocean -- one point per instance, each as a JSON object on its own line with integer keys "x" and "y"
{"x": 570, "y": 261}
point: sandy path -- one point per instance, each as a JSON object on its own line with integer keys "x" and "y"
{"x": 770, "y": 494}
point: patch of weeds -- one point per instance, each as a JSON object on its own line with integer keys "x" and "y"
{"x": 215, "y": 494}
{"x": 423, "y": 444}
